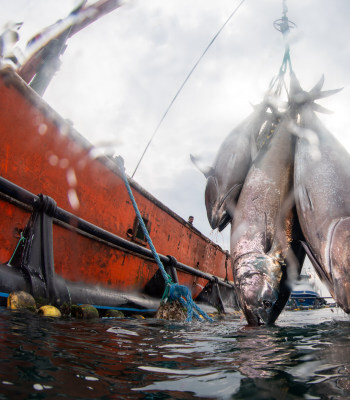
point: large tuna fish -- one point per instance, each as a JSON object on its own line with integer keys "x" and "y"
{"x": 264, "y": 234}
{"x": 225, "y": 179}
{"x": 322, "y": 191}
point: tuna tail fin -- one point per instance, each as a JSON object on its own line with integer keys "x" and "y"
{"x": 325, "y": 93}
{"x": 300, "y": 97}
{"x": 205, "y": 170}
{"x": 317, "y": 88}
{"x": 318, "y": 108}
{"x": 316, "y": 93}
{"x": 320, "y": 95}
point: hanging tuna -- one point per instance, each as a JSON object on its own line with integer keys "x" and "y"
{"x": 262, "y": 231}
{"x": 322, "y": 192}
{"x": 282, "y": 180}
{"x": 225, "y": 179}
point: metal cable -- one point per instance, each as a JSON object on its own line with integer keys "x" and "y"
{"x": 184, "y": 83}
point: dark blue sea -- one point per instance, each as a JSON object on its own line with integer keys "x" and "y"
{"x": 305, "y": 356}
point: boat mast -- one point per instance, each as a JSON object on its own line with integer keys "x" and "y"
{"x": 41, "y": 65}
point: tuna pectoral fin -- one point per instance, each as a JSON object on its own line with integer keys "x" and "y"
{"x": 318, "y": 267}
{"x": 339, "y": 254}
{"x": 233, "y": 192}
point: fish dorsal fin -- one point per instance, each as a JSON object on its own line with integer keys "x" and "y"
{"x": 206, "y": 170}
{"x": 317, "y": 88}
{"x": 267, "y": 245}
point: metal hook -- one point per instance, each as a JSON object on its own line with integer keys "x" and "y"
{"x": 283, "y": 24}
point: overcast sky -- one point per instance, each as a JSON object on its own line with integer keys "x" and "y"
{"x": 119, "y": 75}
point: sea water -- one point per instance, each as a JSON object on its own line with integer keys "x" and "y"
{"x": 305, "y": 356}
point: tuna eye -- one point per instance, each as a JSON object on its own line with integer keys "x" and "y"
{"x": 267, "y": 304}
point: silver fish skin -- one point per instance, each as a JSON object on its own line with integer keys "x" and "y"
{"x": 322, "y": 193}
{"x": 261, "y": 233}
{"x": 225, "y": 179}
{"x": 266, "y": 236}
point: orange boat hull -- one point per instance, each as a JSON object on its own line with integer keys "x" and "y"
{"x": 41, "y": 152}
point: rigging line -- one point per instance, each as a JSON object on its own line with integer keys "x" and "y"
{"x": 184, "y": 83}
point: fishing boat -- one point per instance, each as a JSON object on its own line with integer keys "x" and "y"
{"x": 305, "y": 295}
{"x": 306, "y": 298}
{"x": 69, "y": 231}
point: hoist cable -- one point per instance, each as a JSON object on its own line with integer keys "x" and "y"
{"x": 184, "y": 83}
{"x": 283, "y": 25}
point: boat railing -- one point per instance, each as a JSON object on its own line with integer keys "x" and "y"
{"x": 26, "y": 199}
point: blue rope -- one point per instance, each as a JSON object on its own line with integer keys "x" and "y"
{"x": 173, "y": 291}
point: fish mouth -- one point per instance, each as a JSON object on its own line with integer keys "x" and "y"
{"x": 263, "y": 314}
{"x": 262, "y": 309}
{"x": 224, "y": 221}
{"x": 220, "y": 222}
{"x": 266, "y": 313}
{"x": 259, "y": 288}
{"x": 218, "y": 216}
{"x": 253, "y": 318}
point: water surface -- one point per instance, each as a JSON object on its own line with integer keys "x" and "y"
{"x": 307, "y": 355}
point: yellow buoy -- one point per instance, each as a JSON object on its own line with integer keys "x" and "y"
{"x": 21, "y": 300}
{"x": 49, "y": 311}
{"x": 114, "y": 314}
{"x": 84, "y": 311}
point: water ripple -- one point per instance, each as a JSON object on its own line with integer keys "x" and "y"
{"x": 306, "y": 356}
